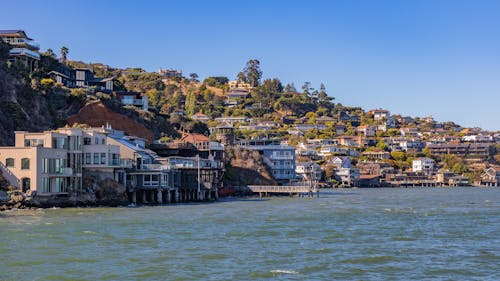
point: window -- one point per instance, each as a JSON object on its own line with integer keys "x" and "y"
{"x": 87, "y": 141}
{"x": 96, "y": 158}
{"x": 103, "y": 158}
{"x": 25, "y": 164}
{"x": 96, "y": 141}
{"x": 9, "y": 162}
{"x": 150, "y": 180}
{"x": 103, "y": 141}
{"x": 87, "y": 158}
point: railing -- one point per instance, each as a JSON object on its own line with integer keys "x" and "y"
{"x": 24, "y": 52}
{"x": 155, "y": 167}
{"x": 9, "y": 176}
{"x": 216, "y": 146}
{"x": 126, "y": 163}
{"x": 282, "y": 188}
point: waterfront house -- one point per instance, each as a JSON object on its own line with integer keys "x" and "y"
{"x": 279, "y": 158}
{"x": 348, "y": 177}
{"x": 24, "y": 50}
{"x": 55, "y": 161}
{"x": 423, "y": 165}
{"x": 308, "y": 171}
{"x": 490, "y": 176}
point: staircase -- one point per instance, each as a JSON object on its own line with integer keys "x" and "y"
{"x": 9, "y": 176}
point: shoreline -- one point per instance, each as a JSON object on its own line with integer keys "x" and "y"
{"x": 49, "y": 202}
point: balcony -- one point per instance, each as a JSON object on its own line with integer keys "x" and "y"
{"x": 281, "y": 157}
{"x": 155, "y": 167}
{"x": 216, "y": 146}
{"x": 24, "y": 52}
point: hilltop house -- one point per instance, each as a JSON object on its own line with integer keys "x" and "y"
{"x": 81, "y": 78}
{"x": 24, "y": 49}
{"x": 380, "y": 114}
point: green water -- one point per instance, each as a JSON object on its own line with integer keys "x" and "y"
{"x": 358, "y": 234}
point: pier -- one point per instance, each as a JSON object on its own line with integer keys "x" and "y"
{"x": 300, "y": 190}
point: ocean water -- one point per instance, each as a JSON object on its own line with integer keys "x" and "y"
{"x": 351, "y": 234}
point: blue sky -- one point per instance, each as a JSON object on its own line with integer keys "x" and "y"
{"x": 419, "y": 58}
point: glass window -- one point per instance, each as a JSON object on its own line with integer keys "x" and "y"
{"x": 87, "y": 158}
{"x": 103, "y": 158}
{"x": 96, "y": 141}
{"x": 96, "y": 158}
{"x": 25, "y": 164}
{"x": 9, "y": 162}
{"x": 87, "y": 141}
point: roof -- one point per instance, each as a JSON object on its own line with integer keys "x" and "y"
{"x": 199, "y": 114}
{"x": 15, "y": 31}
{"x": 194, "y": 138}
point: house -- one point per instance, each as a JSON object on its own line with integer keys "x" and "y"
{"x": 409, "y": 132}
{"x": 224, "y": 133}
{"x": 201, "y": 142}
{"x": 308, "y": 171}
{"x": 237, "y": 94}
{"x": 462, "y": 149}
{"x": 279, "y": 158}
{"x": 24, "y": 50}
{"x": 235, "y": 85}
{"x": 348, "y": 177}
{"x": 55, "y": 161}
{"x": 490, "y": 176}
{"x": 307, "y": 127}
{"x": 379, "y": 114}
{"x": 340, "y": 162}
{"x": 376, "y": 155}
{"x": 146, "y": 178}
{"x": 367, "y": 131}
{"x": 170, "y": 73}
{"x": 135, "y": 99}
{"x": 340, "y": 129}
{"x": 324, "y": 120}
{"x": 232, "y": 120}
{"x": 369, "y": 181}
{"x": 423, "y": 165}
{"x": 84, "y": 78}
{"x": 327, "y": 150}
{"x": 349, "y": 141}
{"x": 200, "y": 117}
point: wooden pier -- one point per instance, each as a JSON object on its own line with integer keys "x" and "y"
{"x": 300, "y": 190}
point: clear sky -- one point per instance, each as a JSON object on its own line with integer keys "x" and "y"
{"x": 418, "y": 58}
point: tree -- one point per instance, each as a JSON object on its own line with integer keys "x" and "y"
{"x": 64, "y": 54}
{"x": 193, "y": 76}
{"x": 50, "y": 53}
{"x": 190, "y": 104}
{"x": 306, "y": 88}
{"x": 290, "y": 88}
{"x": 252, "y": 73}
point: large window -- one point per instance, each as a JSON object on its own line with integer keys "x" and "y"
{"x": 96, "y": 158}
{"x": 87, "y": 141}
{"x": 88, "y": 159}
{"x": 150, "y": 180}
{"x": 9, "y": 162}
{"x": 25, "y": 164}
{"x": 103, "y": 158}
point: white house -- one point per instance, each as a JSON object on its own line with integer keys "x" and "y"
{"x": 423, "y": 165}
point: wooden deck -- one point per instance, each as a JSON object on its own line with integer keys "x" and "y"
{"x": 284, "y": 189}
